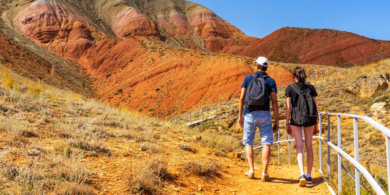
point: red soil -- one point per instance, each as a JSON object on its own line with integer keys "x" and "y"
{"x": 60, "y": 29}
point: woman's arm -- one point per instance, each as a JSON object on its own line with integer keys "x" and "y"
{"x": 288, "y": 111}
{"x": 316, "y": 126}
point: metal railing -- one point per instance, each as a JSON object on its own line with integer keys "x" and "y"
{"x": 206, "y": 112}
{"x": 359, "y": 168}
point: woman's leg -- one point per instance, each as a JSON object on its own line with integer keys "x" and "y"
{"x": 309, "y": 147}
{"x": 297, "y": 133}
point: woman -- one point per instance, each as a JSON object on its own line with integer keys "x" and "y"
{"x": 295, "y": 125}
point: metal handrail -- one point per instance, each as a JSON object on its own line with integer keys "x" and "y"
{"x": 359, "y": 168}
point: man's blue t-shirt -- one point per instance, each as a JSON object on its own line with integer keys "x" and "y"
{"x": 270, "y": 84}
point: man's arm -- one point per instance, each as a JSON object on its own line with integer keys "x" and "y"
{"x": 241, "y": 107}
{"x": 275, "y": 106}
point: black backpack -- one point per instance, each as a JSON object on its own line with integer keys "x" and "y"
{"x": 257, "y": 94}
{"x": 306, "y": 109}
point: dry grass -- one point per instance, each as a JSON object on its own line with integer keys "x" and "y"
{"x": 16, "y": 130}
{"x": 36, "y": 178}
{"x": 200, "y": 168}
{"x": 148, "y": 177}
{"x": 151, "y": 147}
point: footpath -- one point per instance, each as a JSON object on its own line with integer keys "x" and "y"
{"x": 284, "y": 181}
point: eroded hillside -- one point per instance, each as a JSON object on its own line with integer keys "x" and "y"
{"x": 149, "y": 76}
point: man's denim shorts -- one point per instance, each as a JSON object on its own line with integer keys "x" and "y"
{"x": 261, "y": 119}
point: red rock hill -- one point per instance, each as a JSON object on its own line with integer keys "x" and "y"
{"x": 312, "y": 46}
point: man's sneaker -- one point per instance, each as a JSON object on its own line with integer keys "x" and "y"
{"x": 302, "y": 180}
{"x": 250, "y": 175}
{"x": 309, "y": 180}
{"x": 265, "y": 178}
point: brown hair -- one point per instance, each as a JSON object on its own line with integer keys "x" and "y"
{"x": 299, "y": 72}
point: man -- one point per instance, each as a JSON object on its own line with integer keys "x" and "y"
{"x": 260, "y": 117}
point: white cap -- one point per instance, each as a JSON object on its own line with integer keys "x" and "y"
{"x": 263, "y": 61}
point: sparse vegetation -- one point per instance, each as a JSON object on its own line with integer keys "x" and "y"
{"x": 148, "y": 177}
{"x": 201, "y": 168}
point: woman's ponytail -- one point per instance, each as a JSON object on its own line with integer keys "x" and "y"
{"x": 300, "y": 74}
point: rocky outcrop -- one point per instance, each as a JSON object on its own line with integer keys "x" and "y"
{"x": 378, "y": 108}
{"x": 56, "y": 27}
{"x": 130, "y": 23}
{"x": 368, "y": 86}
{"x": 312, "y": 46}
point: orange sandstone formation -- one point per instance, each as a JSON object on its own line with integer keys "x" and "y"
{"x": 56, "y": 27}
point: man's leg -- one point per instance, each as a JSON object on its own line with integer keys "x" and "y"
{"x": 249, "y": 155}
{"x": 248, "y": 140}
{"x": 266, "y": 157}
{"x": 267, "y": 139}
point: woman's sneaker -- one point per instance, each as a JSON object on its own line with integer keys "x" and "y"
{"x": 309, "y": 180}
{"x": 302, "y": 180}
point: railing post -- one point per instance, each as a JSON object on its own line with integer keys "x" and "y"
{"x": 365, "y": 62}
{"x": 345, "y": 65}
{"x": 383, "y": 61}
{"x": 356, "y": 145}
{"x": 355, "y": 63}
{"x": 289, "y": 150}
{"x": 202, "y": 115}
{"x": 339, "y": 170}
{"x": 216, "y": 110}
{"x": 328, "y": 148}
{"x": 320, "y": 141}
{"x": 373, "y": 60}
{"x": 190, "y": 118}
{"x": 388, "y": 161}
{"x": 279, "y": 146}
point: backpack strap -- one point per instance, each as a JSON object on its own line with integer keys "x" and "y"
{"x": 296, "y": 89}
{"x": 254, "y": 75}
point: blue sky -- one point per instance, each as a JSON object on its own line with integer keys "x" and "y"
{"x": 259, "y": 18}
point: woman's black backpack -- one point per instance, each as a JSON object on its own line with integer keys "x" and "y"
{"x": 257, "y": 94}
{"x": 306, "y": 110}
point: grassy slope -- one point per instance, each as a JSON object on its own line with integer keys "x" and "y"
{"x": 55, "y": 141}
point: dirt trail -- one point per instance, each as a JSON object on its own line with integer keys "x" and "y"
{"x": 284, "y": 181}
{"x": 113, "y": 173}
